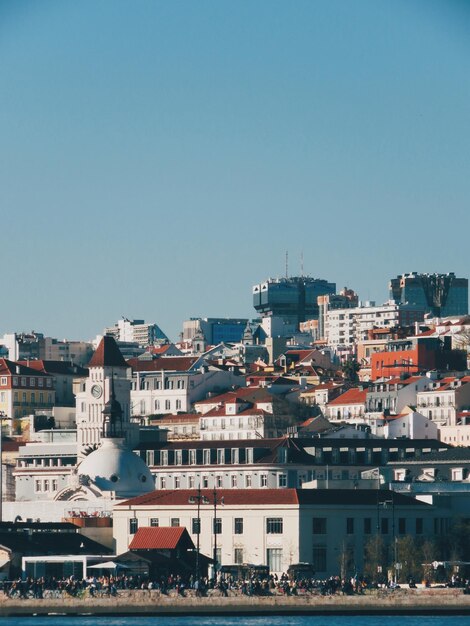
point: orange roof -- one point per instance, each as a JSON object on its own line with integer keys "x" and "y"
{"x": 107, "y": 354}
{"x": 252, "y": 394}
{"x": 351, "y": 396}
{"x": 166, "y": 363}
{"x": 159, "y": 538}
{"x": 227, "y": 497}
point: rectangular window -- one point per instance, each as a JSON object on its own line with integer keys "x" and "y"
{"x": 205, "y": 482}
{"x": 234, "y": 481}
{"x": 264, "y": 480}
{"x": 249, "y": 455}
{"x": 15, "y": 381}
{"x": 218, "y": 482}
{"x": 196, "y": 525}
{"x": 154, "y": 522}
{"x": 32, "y": 382}
{"x": 167, "y": 405}
{"x": 367, "y": 526}
{"x": 248, "y": 481}
{"x": 234, "y": 456}
{"x": 164, "y": 457}
{"x": 178, "y": 457}
{"x": 319, "y": 558}
{"x": 384, "y": 525}
{"x": 274, "y": 526}
{"x": 177, "y": 482}
{"x": 419, "y": 525}
{"x": 191, "y": 482}
{"x": 350, "y": 525}
{"x": 3, "y": 381}
{"x": 274, "y": 559}
{"x": 162, "y": 482}
{"x": 175, "y": 521}
{"x": 319, "y": 525}
{"x": 54, "y": 484}
{"x": 238, "y": 526}
{"x": 282, "y": 480}
{"x": 23, "y": 382}
{"x": 206, "y": 457}
{"x": 48, "y": 382}
{"x": 40, "y": 382}
{"x": 220, "y": 456}
{"x": 133, "y": 525}
{"x": 238, "y": 556}
{"x": 178, "y": 405}
{"x": 38, "y": 486}
{"x": 402, "y": 525}
{"x": 192, "y": 457}
{"x": 218, "y": 526}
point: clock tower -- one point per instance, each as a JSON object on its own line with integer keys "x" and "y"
{"x": 108, "y": 375}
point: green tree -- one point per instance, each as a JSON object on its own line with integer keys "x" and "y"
{"x": 409, "y": 555}
{"x": 375, "y": 558}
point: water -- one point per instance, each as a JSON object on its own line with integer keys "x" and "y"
{"x": 328, "y": 620}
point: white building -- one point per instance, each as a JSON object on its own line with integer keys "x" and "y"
{"x": 280, "y": 527}
{"x": 136, "y": 331}
{"x": 444, "y": 398}
{"x": 408, "y": 425}
{"x": 106, "y": 364}
{"x": 173, "y": 384}
{"x": 346, "y": 327}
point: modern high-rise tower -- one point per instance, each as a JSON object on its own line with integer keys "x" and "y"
{"x": 441, "y": 295}
{"x": 294, "y": 299}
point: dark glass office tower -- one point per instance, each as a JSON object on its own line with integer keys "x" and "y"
{"x": 442, "y": 295}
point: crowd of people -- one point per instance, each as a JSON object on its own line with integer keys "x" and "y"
{"x": 111, "y": 585}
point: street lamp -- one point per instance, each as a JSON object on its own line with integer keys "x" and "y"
{"x": 394, "y": 537}
{"x": 2, "y": 415}
{"x": 192, "y": 500}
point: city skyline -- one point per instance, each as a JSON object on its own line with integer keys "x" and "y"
{"x": 158, "y": 160}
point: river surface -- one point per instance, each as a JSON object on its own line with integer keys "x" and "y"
{"x": 328, "y": 620}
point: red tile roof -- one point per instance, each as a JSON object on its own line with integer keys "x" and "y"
{"x": 182, "y": 418}
{"x": 231, "y": 497}
{"x": 8, "y": 367}
{"x": 160, "y": 538}
{"x": 249, "y": 394}
{"x": 351, "y": 396}
{"x": 222, "y": 412}
{"x": 56, "y": 367}
{"x": 107, "y": 354}
{"x": 164, "y": 363}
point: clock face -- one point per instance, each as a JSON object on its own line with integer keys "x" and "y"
{"x": 96, "y": 391}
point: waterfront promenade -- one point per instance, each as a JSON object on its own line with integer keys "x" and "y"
{"x": 137, "y": 602}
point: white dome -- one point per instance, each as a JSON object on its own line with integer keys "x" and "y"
{"x": 113, "y": 467}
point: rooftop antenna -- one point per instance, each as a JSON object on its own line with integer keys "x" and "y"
{"x": 287, "y": 264}
{"x": 302, "y": 263}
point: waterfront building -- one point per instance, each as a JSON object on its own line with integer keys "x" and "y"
{"x": 274, "y": 463}
{"x": 440, "y": 295}
{"x": 280, "y": 527}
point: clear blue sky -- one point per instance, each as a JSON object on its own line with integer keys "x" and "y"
{"x": 159, "y": 158}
